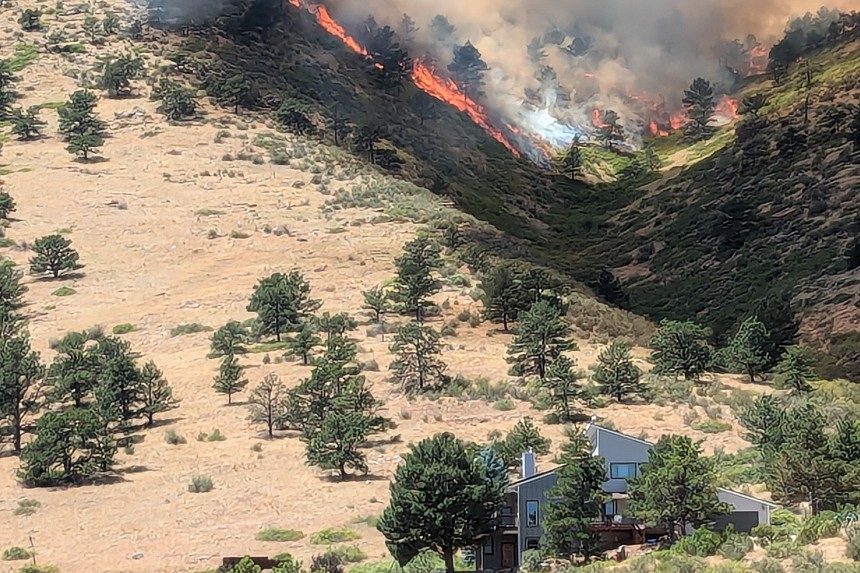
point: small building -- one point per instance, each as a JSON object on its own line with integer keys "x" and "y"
{"x": 520, "y": 520}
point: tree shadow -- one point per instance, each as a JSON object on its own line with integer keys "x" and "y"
{"x": 133, "y": 469}
{"x": 160, "y": 423}
{"x": 74, "y": 275}
{"x": 353, "y": 478}
{"x": 91, "y": 160}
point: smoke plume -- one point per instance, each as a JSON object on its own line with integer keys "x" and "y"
{"x": 553, "y": 62}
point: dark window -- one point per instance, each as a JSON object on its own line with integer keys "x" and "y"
{"x": 532, "y": 543}
{"x": 488, "y": 546}
{"x": 532, "y": 514}
{"x": 622, "y": 471}
{"x": 609, "y": 508}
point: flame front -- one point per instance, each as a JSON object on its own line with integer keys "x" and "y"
{"x": 422, "y": 76}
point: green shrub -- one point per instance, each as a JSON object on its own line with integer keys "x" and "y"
{"x": 505, "y": 405}
{"x": 767, "y": 534}
{"x": 727, "y": 567}
{"x": 174, "y": 439}
{"x": 711, "y": 426}
{"x": 27, "y": 506}
{"x": 200, "y": 484}
{"x": 64, "y": 291}
{"x": 215, "y": 436}
{"x": 783, "y": 518}
{"x": 287, "y": 563}
{"x": 736, "y": 546}
{"x": 531, "y": 560}
{"x": 16, "y": 554}
{"x": 347, "y": 553}
{"x": 702, "y": 543}
{"x": 852, "y": 550}
{"x": 369, "y": 520}
{"x": 33, "y": 568}
{"x": 192, "y": 328}
{"x": 820, "y": 526}
{"x": 331, "y": 535}
{"x": 808, "y": 562}
{"x": 280, "y": 535}
{"x": 124, "y": 328}
{"x": 783, "y": 549}
{"x": 767, "y": 565}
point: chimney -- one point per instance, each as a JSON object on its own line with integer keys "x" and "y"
{"x": 529, "y": 466}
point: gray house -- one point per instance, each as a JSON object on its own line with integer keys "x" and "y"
{"x": 520, "y": 527}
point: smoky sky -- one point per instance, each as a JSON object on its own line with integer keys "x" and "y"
{"x": 637, "y": 47}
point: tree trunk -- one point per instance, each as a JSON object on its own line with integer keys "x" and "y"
{"x": 149, "y": 419}
{"x": 418, "y": 312}
{"x": 229, "y": 398}
{"x": 505, "y": 320}
{"x": 342, "y": 471}
{"x": 16, "y": 438}
{"x": 448, "y": 554}
{"x": 751, "y": 373}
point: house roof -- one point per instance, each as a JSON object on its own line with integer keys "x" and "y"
{"x": 535, "y": 477}
{"x": 749, "y": 497}
{"x": 620, "y": 434}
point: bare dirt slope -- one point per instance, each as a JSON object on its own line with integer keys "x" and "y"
{"x": 159, "y": 224}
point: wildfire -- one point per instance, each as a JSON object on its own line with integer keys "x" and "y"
{"x": 758, "y": 60}
{"x": 728, "y": 107}
{"x": 596, "y": 120}
{"x": 423, "y": 77}
{"x": 655, "y": 130}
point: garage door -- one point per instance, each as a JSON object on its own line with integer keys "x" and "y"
{"x": 742, "y": 520}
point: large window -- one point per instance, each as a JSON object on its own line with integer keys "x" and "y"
{"x": 609, "y": 508}
{"x": 622, "y": 471}
{"x": 532, "y": 543}
{"x": 488, "y": 546}
{"x": 532, "y": 519}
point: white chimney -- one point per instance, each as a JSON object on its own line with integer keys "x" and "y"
{"x": 529, "y": 465}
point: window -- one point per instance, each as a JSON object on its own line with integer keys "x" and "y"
{"x": 532, "y": 543}
{"x": 609, "y": 508}
{"x": 622, "y": 471}
{"x": 531, "y": 514}
{"x": 488, "y": 546}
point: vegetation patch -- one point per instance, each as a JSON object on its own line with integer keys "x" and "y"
{"x": 711, "y": 426}
{"x": 124, "y": 328}
{"x": 279, "y": 535}
{"x": 27, "y": 506}
{"x": 331, "y": 535}
{"x": 193, "y": 328}
{"x": 16, "y": 554}
{"x": 200, "y": 484}
{"x": 23, "y": 56}
{"x": 64, "y": 291}
{"x": 347, "y": 553}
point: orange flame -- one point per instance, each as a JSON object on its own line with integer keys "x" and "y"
{"x": 728, "y": 107}
{"x": 596, "y": 120}
{"x": 758, "y": 60}
{"x": 422, "y": 76}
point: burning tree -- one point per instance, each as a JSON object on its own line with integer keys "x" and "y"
{"x": 611, "y": 130}
{"x": 570, "y": 163}
{"x": 391, "y": 63}
{"x": 700, "y": 104}
{"x": 441, "y": 27}
{"x": 468, "y": 69}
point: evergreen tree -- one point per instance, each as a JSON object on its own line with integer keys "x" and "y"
{"x": 228, "y": 339}
{"x": 11, "y": 289}
{"x": 91, "y": 28}
{"x": 304, "y": 342}
{"x": 700, "y": 105}
{"x": 425, "y": 106}
{"x": 616, "y": 375}
{"x": 570, "y": 163}
{"x": 84, "y": 144}
{"x": 577, "y": 501}
{"x": 26, "y": 125}
{"x": 70, "y": 446}
{"x": 266, "y": 403}
{"x": 417, "y": 366}
{"x": 236, "y": 91}
{"x": 677, "y": 486}
{"x": 376, "y": 300}
{"x": 118, "y": 73}
{"x": 77, "y": 116}
{"x": 335, "y": 324}
{"x": 229, "y": 380}
{"x": 29, "y": 20}
{"x": 282, "y": 303}
{"x": 541, "y": 337}
{"x": 368, "y": 133}
{"x": 55, "y": 255}
{"x": 794, "y": 370}
{"x": 442, "y": 500}
{"x": 523, "y": 437}
{"x": 504, "y": 295}
{"x": 611, "y": 131}
{"x": 680, "y": 348}
{"x": 156, "y": 395}
{"x": 391, "y": 62}
{"x": 74, "y": 372}
{"x": 441, "y": 27}
{"x": 747, "y": 350}
{"x": 764, "y": 420}
{"x": 497, "y": 470}
{"x": 562, "y": 383}
{"x": 753, "y": 104}
{"x": 21, "y": 386}
{"x": 294, "y": 116}
{"x": 7, "y": 205}
{"x": 119, "y": 393}
{"x": 335, "y": 444}
{"x": 467, "y": 69}
{"x": 177, "y": 102}
{"x": 415, "y": 281}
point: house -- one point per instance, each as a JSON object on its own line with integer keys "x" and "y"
{"x": 520, "y": 528}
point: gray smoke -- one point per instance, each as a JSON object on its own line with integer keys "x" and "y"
{"x": 554, "y": 61}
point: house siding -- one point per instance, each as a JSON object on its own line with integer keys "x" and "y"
{"x": 618, "y": 449}
{"x": 534, "y": 490}
{"x": 743, "y": 506}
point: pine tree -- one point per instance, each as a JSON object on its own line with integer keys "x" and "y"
{"x": 541, "y": 337}
{"x": 616, "y": 375}
{"x": 236, "y": 91}
{"x": 229, "y": 380}
{"x": 304, "y": 342}
{"x": 700, "y": 105}
{"x": 77, "y": 117}
{"x": 119, "y": 393}
{"x": 753, "y": 104}
{"x": 504, "y": 295}
{"x": 415, "y": 281}
{"x": 570, "y": 163}
{"x": 118, "y": 73}
{"x": 282, "y": 303}
{"x": 266, "y": 403}
{"x": 367, "y": 134}
{"x": 156, "y": 393}
{"x": 29, "y": 20}
{"x": 74, "y": 373}
{"x": 562, "y": 383}
{"x": 294, "y": 116}
{"x": 7, "y": 91}
{"x": 677, "y": 486}
{"x": 680, "y": 348}
{"x": 335, "y": 324}
{"x": 441, "y": 500}
{"x": 21, "y": 386}
{"x": 55, "y": 255}
{"x": 467, "y": 69}
{"x": 747, "y": 350}
{"x": 7, "y": 205}
{"x": 376, "y": 301}
{"x": 26, "y": 125}
{"x": 336, "y": 443}
{"x": 177, "y": 102}
{"x": 228, "y": 339}
{"x": 577, "y": 501}
{"x": 611, "y": 131}
{"x": 84, "y": 144}
{"x": 794, "y": 370}
{"x": 11, "y": 289}
{"x": 523, "y": 437}
{"x": 417, "y": 367}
